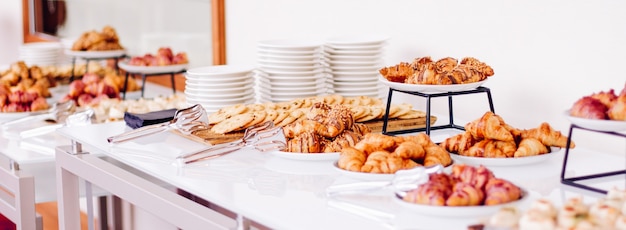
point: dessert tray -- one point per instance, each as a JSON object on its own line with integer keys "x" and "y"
{"x": 152, "y": 69}
{"x": 430, "y": 88}
{"x": 96, "y": 54}
{"x": 595, "y": 124}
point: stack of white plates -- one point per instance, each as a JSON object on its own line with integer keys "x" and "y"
{"x": 289, "y": 69}
{"x": 40, "y": 53}
{"x": 354, "y": 62}
{"x": 215, "y": 87}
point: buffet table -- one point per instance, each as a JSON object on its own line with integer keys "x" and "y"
{"x": 278, "y": 193}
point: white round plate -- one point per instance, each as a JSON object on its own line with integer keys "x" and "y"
{"x": 269, "y": 83}
{"x": 330, "y": 51}
{"x": 278, "y": 57}
{"x": 353, "y": 78}
{"x": 289, "y": 63}
{"x": 306, "y": 156}
{"x": 357, "y": 40}
{"x": 431, "y": 88}
{"x": 363, "y": 175}
{"x": 371, "y": 69}
{"x": 364, "y": 90}
{"x": 514, "y": 161}
{"x": 459, "y": 211}
{"x": 8, "y": 116}
{"x": 595, "y": 124}
{"x": 355, "y": 58}
{"x": 220, "y": 102}
{"x": 220, "y": 71}
{"x": 290, "y": 90}
{"x": 377, "y": 47}
{"x": 216, "y": 79}
{"x": 366, "y": 64}
{"x": 218, "y": 85}
{"x": 231, "y": 90}
{"x": 290, "y": 44}
{"x": 286, "y": 52}
{"x": 306, "y": 68}
{"x": 294, "y": 78}
{"x": 96, "y": 54}
{"x": 152, "y": 69}
{"x": 274, "y": 94}
{"x": 358, "y": 84}
{"x": 194, "y": 94}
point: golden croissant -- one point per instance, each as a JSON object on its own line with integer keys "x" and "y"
{"x": 489, "y": 126}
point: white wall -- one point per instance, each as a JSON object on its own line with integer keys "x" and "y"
{"x": 10, "y": 30}
{"x": 546, "y": 54}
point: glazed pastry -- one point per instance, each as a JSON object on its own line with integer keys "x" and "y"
{"x": 530, "y": 147}
{"x": 481, "y": 66}
{"x": 306, "y": 142}
{"x": 607, "y": 98}
{"x": 492, "y": 149}
{"x": 618, "y": 111}
{"x": 489, "y": 126}
{"x": 465, "y": 194}
{"x": 430, "y": 193}
{"x": 351, "y": 159}
{"x": 445, "y": 65}
{"x": 459, "y": 143}
{"x": 588, "y": 107}
{"x": 548, "y": 136}
{"x": 398, "y": 73}
{"x": 500, "y": 191}
{"x": 345, "y": 139}
{"x": 476, "y": 176}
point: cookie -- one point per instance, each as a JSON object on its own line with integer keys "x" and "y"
{"x": 259, "y": 116}
{"x": 233, "y": 123}
{"x": 226, "y": 113}
{"x": 413, "y": 114}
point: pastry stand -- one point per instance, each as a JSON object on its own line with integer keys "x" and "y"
{"x": 428, "y": 97}
{"x": 94, "y": 56}
{"x": 574, "y": 181}
{"x": 145, "y": 75}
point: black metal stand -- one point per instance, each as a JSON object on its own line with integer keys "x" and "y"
{"x": 573, "y": 181}
{"x": 428, "y": 97}
{"x": 146, "y": 75}
{"x": 87, "y": 60}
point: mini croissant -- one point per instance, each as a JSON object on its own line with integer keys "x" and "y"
{"x": 489, "y": 126}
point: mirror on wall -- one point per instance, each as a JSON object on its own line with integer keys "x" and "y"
{"x": 143, "y": 26}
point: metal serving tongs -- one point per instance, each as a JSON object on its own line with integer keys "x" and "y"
{"x": 185, "y": 120}
{"x": 86, "y": 116}
{"x": 402, "y": 181}
{"x": 57, "y": 113}
{"x": 263, "y": 137}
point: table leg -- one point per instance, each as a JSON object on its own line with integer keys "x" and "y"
{"x": 67, "y": 194}
{"x": 173, "y": 83}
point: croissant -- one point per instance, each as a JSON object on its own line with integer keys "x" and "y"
{"x": 409, "y": 164}
{"x": 492, "y": 149}
{"x": 376, "y": 141}
{"x": 618, "y": 110}
{"x": 346, "y": 138}
{"x": 429, "y": 193}
{"x": 306, "y": 142}
{"x": 607, "y": 98}
{"x": 397, "y": 73}
{"x": 530, "y": 147}
{"x": 410, "y": 150}
{"x": 481, "y": 66}
{"x": 351, "y": 159}
{"x": 547, "y": 135}
{"x": 459, "y": 143}
{"x": 436, "y": 154}
{"x": 477, "y": 176}
{"x": 382, "y": 162}
{"x": 465, "y": 194}
{"x": 489, "y": 126}
{"x": 445, "y": 65}
{"x": 500, "y": 191}
{"x": 427, "y": 75}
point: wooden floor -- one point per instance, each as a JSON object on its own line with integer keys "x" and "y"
{"x": 48, "y": 212}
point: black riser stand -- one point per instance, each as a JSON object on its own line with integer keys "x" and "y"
{"x": 573, "y": 181}
{"x": 428, "y": 97}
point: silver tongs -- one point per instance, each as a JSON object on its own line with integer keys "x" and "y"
{"x": 403, "y": 180}
{"x": 83, "y": 117}
{"x": 185, "y": 120}
{"x": 263, "y": 137}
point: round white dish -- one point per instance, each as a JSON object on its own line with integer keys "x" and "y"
{"x": 287, "y": 52}
{"x": 218, "y": 85}
{"x": 152, "y": 69}
{"x": 595, "y": 124}
{"x": 204, "y": 94}
{"x": 307, "y": 68}
{"x": 96, "y": 54}
{"x": 216, "y": 79}
{"x": 364, "y": 176}
{"x": 459, "y": 211}
{"x": 220, "y": 102}
{"x": 355, "y": 58}
{"x": 344, "y": 78}
{"x": 291, "y": 90}
{"x": 517, "y": 161}
{"x": 278, "y": 57}
{"x": 276, "y": 94}
{"x": 369, "y": 39}
{"x": 294, "y": 78}
{"x": 269, "y": 83}
{"x": 357, "y": 89}
{"x": 359, "y": 84}
{"x": 231, "y": 90}
{"x": 371, "y": 69}
{"x": 219, "y": 71}
{"x": 368, "y": 63}
{"x": 373, "y": 47}
{"x": 289, "y": 63}
{"x": 290, "y": 44}
{"x": 306, "y": 156}
{"x": 330, "y": 51}
{"x": 431, "y": 88}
